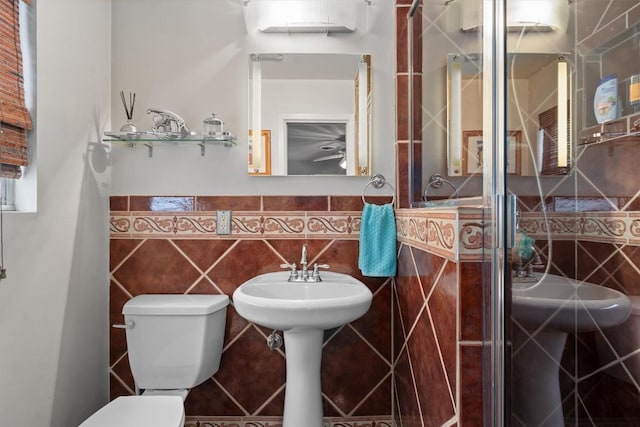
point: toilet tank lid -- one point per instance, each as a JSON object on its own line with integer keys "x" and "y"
{"x": 169, "y": 304}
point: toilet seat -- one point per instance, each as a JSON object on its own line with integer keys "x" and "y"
{"x": 139, "y": 411}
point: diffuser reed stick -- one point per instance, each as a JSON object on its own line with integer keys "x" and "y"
{"x": 128, "y": 110}
{"x": 132, "y": 101}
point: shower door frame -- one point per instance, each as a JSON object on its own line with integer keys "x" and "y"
{"x": 497, "y": 206}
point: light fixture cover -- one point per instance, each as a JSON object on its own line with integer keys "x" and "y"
{"x": 545, "y": 15}
{"x": 301, "y": 16}
{"x": 533, "y": 15}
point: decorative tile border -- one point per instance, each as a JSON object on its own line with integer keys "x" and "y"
{"x": 455, "y": 233}
{"x": 382, "y": 421}
{"x": 606, "y": 227}
{"x": 458, "y": 233}
{"x": 245, "y": 225}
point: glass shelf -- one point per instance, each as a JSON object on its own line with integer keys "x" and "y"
{"x": 609, "y": 36}
{"x": 621, "y": 130}
{"x": 149, "y": 139}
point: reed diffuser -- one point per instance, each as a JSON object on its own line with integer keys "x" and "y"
{"x": 128, "y": 109}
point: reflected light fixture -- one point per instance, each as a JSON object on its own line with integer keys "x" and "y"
{"x": 343, "y": 163}
{"x": 537, "y": 15}
{"x": 256, "y": 111}
{"x": 363, "y": 109}
{"x": 563, "y": 119}
{"x": 302, "y": 16}
{"x": 527, "y": 15}
{"x": 455, "y": 116}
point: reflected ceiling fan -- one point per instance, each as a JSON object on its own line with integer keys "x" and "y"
{"x": 339, "y": 153}
{"x": 317, "y": 142}
{"x": 337, "y": 146}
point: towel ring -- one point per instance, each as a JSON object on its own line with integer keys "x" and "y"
{"x": 378, "y": 181}
{"x": 436, "y": 181}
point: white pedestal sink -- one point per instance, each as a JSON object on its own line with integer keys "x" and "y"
{"x": 302, "y": 310}
{"x": 548, "y": 309}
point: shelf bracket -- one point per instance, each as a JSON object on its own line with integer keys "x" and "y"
{"x": 150, "y": 147}
{"x": 202, "y": 149}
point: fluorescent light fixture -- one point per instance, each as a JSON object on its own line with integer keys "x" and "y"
{"x": 563, "y": 119}
{"x": 455, "y": 117}
{"x": 302, "y": 16}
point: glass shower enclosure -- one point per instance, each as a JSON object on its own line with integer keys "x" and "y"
{"x": 530, "y": 110}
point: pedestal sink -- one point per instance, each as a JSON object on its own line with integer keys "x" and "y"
{"x": 547, "y": 308}
{"x": 302, "y": 310}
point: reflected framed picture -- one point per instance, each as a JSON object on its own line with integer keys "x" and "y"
{"x": 472, "y": 152}
{"x": 260, "y": 155}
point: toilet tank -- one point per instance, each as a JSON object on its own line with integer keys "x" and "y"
{"x": 174, "y": 341}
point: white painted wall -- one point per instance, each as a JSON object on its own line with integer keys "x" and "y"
{"x": 192, "y": 57}
{"x": 54, "y": 303}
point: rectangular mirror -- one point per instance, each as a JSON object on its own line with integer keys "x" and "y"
{"x": 315, "y": 110}
{"x": 539, "y": 132}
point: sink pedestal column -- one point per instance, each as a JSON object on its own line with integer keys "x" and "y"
{"x": 303, "y": 395}
{"x": 536, "y": 384}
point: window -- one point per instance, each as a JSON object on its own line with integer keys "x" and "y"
{"x": 548, "y": 125}
{"x": 16, "y": 63}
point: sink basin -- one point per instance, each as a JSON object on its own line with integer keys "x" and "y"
{"x": 545, "y": 312}
{"x": 302, "y": 310}
{"x": 568, "y": 305}
{"x": 271, "y": 301}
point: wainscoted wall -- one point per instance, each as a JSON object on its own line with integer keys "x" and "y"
{"x": 438, "y": 317}
{"x": 168, "y": 245}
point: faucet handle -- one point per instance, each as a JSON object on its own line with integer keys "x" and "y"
{"x": 294, "y": 271}
{"x": 316, "y": 271}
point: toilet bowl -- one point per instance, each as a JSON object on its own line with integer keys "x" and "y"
{"x": 624, "y": 339}
{"x": 174, "y": 343}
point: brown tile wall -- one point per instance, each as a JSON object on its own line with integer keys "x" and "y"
{"x": 589, "y": 394}
{"x": 357, "y": 359}
{"x": 402, "y": 104}
{"x": 607, "y": 36}
{"x": 422, "y": 330}
{"x": 437, "y": 335}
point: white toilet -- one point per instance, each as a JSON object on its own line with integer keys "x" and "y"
{"x": 625, "y": 339}
{"x": 174, "y": 343}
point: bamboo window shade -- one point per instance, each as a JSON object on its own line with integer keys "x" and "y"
{"x": 548, "y": 122}
{"x": 15, "y": 119}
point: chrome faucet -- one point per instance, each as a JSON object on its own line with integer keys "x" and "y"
{"x": 524, "y": 270}
{"x": 303, "y": 262}
{"x": 165, "y": 121}
{"x": 303, "y": 275}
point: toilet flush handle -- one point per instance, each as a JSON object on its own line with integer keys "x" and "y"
{"x": 129, "y": 325}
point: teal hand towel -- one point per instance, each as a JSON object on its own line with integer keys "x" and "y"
{"x": 377, "y": 257}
